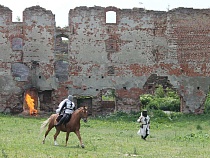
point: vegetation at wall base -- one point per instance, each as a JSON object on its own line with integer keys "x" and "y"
{"x": 167, "y": 100}
{"x": 207, "y": 104}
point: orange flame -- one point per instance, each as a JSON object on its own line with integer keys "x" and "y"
{"x": 30, "y": 103}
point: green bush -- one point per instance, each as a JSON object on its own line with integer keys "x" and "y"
{"x": 146, "y": 99}
{"x": 169, "y": 104}
{"x": 168, "y": 101}
{"x": 171, "y": 93}
{"x": 207, "y": 104}
{"x": 176, "y": 115}
{"x": 159, "y": 114}
{"x": 153, "y": 105}
{"x": 159, "y": 92}
{"x": 165, "y": 104}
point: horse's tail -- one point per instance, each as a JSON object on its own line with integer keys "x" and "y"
{"x": 44, "y": 124}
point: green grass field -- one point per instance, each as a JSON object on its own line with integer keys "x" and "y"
{"x": 180, "y": 136}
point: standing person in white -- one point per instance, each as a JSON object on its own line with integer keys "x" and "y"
{"x": 144, "y": 121}
{"x": 66, "y": 108}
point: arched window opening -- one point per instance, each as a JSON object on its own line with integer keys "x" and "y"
{"x": 111, "y": 17}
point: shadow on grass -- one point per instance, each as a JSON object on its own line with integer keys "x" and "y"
{"x": 68, "y": 146}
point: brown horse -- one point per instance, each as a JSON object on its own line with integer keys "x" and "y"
{"x": 72, "y": 126}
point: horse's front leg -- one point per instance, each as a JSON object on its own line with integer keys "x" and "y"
{"x": 79, "y": 137}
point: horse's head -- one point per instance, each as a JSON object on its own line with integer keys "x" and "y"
{"x": 84, "y": 113}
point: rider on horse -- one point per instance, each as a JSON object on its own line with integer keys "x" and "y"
{"x": 66, "y": 108}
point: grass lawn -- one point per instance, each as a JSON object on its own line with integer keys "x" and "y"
{"x": 180, "y": 136}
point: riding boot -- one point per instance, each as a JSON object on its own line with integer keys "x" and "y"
{"x": 67, "y": 119}
{"x": 61, "y": 121}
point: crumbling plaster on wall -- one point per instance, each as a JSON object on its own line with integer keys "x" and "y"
{"x": 162, "y": 46}
{"x": 35, "y": 52}
{"x": 193, "y": 90}
{"x": 7, "y": 85}
{"x": 141, "y": 42}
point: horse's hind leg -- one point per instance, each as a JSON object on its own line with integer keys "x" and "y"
{"x": 46, "y": 133}
{"x": 55, "y": 136}
{"x": 67, "y": 137}
{"x": 80, "y": 139}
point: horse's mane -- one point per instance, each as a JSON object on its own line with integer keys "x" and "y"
{"x": 80, "y": 108}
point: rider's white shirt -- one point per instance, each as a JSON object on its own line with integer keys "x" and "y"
{"x": 60, "y": 105}
{"x": 69, "y": 107}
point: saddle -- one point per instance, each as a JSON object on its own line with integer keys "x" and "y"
{"x": 59, "y": 117}
{"x": 67, "y": 119}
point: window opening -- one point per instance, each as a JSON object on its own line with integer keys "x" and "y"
{"x": 61, "y": 46}
{"x": 111, "y": 17}
{"x": 108, "y": 95}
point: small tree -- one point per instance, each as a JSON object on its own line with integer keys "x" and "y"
{"x": 171, "y": 93}
{"x": 159, "y": 92}
{"x": 18, "y": 18}
{"x": 146, "y": 99}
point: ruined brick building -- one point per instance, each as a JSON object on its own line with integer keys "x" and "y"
{"x": 123, "y": 59}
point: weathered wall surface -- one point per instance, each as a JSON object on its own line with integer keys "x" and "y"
{"x": 27, "y": 55}
{"x": 188, "y": 40}
{"x": 128, "y": 56}
{"x": 173, "y": 44}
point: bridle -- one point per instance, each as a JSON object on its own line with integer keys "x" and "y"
{"x": 84, "y": 110}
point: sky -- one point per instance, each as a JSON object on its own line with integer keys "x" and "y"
{"x": 61, "y": 7}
